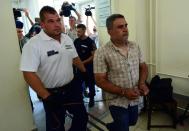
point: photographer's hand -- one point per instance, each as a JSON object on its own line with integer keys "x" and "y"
{"x": 72, "y": 8}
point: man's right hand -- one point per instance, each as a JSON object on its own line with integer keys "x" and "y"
{"x": 52, "y": 101}
{"x": 131, "y": 93}
{"x": 72, "y": 8}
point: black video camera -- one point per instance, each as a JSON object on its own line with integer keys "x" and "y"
{"x": 17, "y": 13}
{"x": 66, "y": 9}
{"x": 88, "y": 11}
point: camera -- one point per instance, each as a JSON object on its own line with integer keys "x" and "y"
{"x": 17, "y": 12}
{"x": 88, "y": 10}
{"x": 66, "y": 9}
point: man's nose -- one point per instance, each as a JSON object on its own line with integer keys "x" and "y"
{"x": 125, "y": 29}
{"x": 57, "y": 23}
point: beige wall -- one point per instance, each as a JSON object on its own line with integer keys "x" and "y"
{"x": 15, "y": 111}
{"x": 171, "y": 29}
{"x": 160, "y": 27}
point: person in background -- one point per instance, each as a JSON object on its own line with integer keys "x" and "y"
{"x": 19, "y": 27}
{"x": 120, "y": 70}
{"x": 19, "y": 30}
{"x": 46, "y": 64}
{"x": 94, "y": 35}
{"x": 71, "y": 32}
{"x": 21, "y": 40}
{"x": 86, "y": 47}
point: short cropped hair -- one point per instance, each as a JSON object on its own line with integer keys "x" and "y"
{"x": 111, "y": 19}
{"x": 81, "y": 26}
{"x": 70, "y": 17}
{"x": 46, "y": 9}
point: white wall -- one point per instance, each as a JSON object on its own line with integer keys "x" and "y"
{"x": 15, "y": 110}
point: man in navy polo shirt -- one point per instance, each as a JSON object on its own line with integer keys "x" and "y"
{"x": 86, "y": 47}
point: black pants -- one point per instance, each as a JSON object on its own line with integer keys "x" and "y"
{"x": 55, "y": 119}
{"x": 90, "y": 82}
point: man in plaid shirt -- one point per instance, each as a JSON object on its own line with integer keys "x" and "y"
{"x": 120, "y": 70}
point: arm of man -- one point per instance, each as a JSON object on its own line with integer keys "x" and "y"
{"x": 63, "y": 25}
{"x": 93, "y": 20}
{"x": 105, "y": 84}
{"x": 93, "y": 49}
{"x": 34, "y": 81}
{"x": 90, "y": 59}
{"x": 87, "y": 27}
{"x": 78, "y": 63}
{"x": 28, "y": 16}
{"x": 143, "y": 74}
{"x": 78, "y": 17}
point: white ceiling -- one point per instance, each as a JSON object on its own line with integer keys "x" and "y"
{"x": 80, "y": 1}
{"x": 73, "y": 1}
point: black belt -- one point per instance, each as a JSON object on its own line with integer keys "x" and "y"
{"x": 63, "y": 88}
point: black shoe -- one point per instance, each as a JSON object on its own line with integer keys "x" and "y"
{"x": 91, "y": 103}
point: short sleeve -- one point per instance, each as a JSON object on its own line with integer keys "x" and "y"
{"x": 100, "y": 65}
{"x": 141, "y": 56}
{"x": 92, "y": 45}
{"x": 30, "y": 58}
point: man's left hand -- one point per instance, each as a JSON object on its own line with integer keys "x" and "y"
{"x": 143, "y": 89}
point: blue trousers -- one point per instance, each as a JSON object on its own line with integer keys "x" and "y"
{"x": 123, "y": 118}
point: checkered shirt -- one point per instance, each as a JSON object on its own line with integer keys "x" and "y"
{"x": 122, "y": 71}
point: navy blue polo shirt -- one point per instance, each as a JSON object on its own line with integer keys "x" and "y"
{"x": 84, "y": 47}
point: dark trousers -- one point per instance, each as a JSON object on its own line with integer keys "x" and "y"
{"x": 90, "y": 82}
{"x": 123, "y": 118}
{"x": 55, "y": 119}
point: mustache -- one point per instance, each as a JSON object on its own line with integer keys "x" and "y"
{"x": 126, "y": 34}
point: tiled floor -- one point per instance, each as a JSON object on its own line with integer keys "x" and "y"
{"x": 100, "y": 110}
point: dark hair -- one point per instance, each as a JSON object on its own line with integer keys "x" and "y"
{"x": 70, "y": 17}
{"x": 111, "y": 19}
{"x": 46, "y": 9}
{"x": 82, "y": 26}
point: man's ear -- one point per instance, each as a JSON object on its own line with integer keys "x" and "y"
{"x": 42, "y": 24}
{"x": 109, "y": 31}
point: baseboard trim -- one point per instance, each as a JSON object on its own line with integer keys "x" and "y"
{"x": 34, "y": 129}
{"x": 180, "y": 96}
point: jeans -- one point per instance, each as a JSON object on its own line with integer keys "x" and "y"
{"x": 123, "y": 118}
